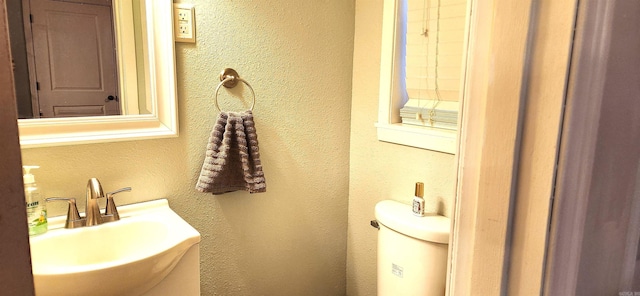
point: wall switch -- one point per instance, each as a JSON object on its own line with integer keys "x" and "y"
{"x": 184, "y": 25}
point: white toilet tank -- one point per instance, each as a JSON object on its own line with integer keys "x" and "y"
{"x": 412, "y": 251}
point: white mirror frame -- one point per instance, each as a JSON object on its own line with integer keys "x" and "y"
{"x": 162, "y": 123}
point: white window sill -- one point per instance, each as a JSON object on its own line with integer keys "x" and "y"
{"x": 416, "y": 136}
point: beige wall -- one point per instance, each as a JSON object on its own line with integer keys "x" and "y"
{"x": 290, "y": 240}
{"x": 380, "y": 170}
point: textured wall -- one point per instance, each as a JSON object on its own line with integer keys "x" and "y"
{"x": 381, "y": 170}
{"x": 290, "y": 240}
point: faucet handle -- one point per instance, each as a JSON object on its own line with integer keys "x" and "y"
{"x": 73, "y": 217}
{"x": 111, "y": 211}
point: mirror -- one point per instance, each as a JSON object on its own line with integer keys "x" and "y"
{"x": 68, "y": 61}
{"x": 154, "y": 62}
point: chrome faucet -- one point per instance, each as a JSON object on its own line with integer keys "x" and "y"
{"x": 73, "y": 217}
{"x": 92, "y": 210}
{"x": 110, "y": 209}
{"x": 92, "y": 215}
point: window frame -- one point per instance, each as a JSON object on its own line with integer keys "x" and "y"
{"x": 389, "y": 125}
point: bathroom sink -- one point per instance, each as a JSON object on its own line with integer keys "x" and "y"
{"x": 125, "y": 257}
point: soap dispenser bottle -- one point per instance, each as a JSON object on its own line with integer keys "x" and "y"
{"x": 36, "y": 208}
{"x": 418, "y": 200}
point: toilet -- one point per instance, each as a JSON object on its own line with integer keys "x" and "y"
{"x": 412, "y": 251}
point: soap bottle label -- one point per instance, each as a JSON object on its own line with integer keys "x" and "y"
{"x": 36, "y": 218}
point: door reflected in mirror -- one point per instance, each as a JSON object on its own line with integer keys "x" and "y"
{"x": 78, "y": 58}
{"x": 145, "y": 63}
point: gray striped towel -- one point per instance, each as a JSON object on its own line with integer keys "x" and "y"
{"x": 232, "y": 159}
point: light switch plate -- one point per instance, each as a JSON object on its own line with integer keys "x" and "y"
{"x": 184, "y": 22}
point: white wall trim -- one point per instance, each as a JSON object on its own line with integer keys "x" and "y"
{"x": 439, "y": 140}
{"x": 489, "y": 147}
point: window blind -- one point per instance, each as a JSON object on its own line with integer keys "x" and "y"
{"x": 434, "y": 55}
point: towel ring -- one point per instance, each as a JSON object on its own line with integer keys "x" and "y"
{"x": 229, "y": 78}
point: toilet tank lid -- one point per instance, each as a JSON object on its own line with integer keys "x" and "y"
{"x": 399, "y": 217}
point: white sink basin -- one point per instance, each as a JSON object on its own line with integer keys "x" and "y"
{"x": 126, "y": 257}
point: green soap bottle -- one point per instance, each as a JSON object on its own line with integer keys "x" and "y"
{"x": 36, "y": 208}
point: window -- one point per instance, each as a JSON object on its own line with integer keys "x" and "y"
{"x": 422, "y": 72}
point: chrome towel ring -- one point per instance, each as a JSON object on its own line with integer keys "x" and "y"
{"x": 229, "y": 78}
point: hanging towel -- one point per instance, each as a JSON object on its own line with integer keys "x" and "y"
{"x": 232, "y": 159}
